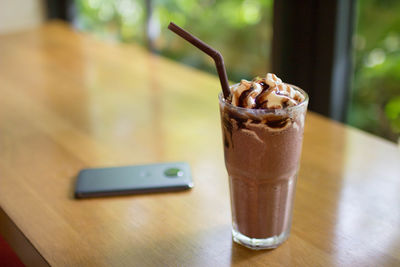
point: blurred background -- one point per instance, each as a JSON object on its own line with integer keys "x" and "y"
{"x": 243, "y": 30}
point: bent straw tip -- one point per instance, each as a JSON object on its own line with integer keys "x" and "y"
{"x": 171, "y": 25}
{"x": 216, "y": 55}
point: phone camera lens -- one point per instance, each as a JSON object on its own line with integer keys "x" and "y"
{"x": 173, "y": 172}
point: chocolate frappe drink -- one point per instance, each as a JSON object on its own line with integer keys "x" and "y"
{"x": 262, "y": 125}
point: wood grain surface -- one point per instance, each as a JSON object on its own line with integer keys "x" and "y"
{"x": 69, "y": 101}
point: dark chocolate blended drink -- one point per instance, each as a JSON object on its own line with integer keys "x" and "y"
{"x": 262, "y": 125}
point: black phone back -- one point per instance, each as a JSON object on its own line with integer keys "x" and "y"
{"x": 160, "y": 177}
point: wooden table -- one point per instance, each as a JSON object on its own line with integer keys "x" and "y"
{"x": 69, "y": 101}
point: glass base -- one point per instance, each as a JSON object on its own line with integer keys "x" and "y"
{"x": 256, "y": 243}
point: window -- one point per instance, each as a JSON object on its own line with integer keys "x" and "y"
{"x": 241, "y": 30}
{"x": 375, "y": 101}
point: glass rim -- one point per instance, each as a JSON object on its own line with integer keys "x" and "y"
{"x": 267, "y": 110}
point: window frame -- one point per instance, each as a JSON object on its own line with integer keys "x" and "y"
{"x": 312, "y": 48}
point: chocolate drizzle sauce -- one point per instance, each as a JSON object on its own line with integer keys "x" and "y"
{"x": 232, "y": 120}
{"x": 226, "y": 123}
{"x": 278, "y": 123}
{"x": 243, "y": 96}
{"x": 260, "y": 104}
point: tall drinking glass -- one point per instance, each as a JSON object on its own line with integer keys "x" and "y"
{"x": 262, "y": 150}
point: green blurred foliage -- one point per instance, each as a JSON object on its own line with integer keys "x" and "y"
{"x": 392, "y": 110}
{"x": 240, "y": 29}
{"x": 121, "y": 20}
{"x": 375, "y": 100}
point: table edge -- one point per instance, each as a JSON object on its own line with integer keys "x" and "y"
{"x": 21, "y": 245}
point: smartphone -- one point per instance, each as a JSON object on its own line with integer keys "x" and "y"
{"x": 160, "y": 177}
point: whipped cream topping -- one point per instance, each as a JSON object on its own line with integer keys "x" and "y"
{"x": 264, "y": 93}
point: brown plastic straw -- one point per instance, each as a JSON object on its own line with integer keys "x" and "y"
{"x": 218, "y": 59}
